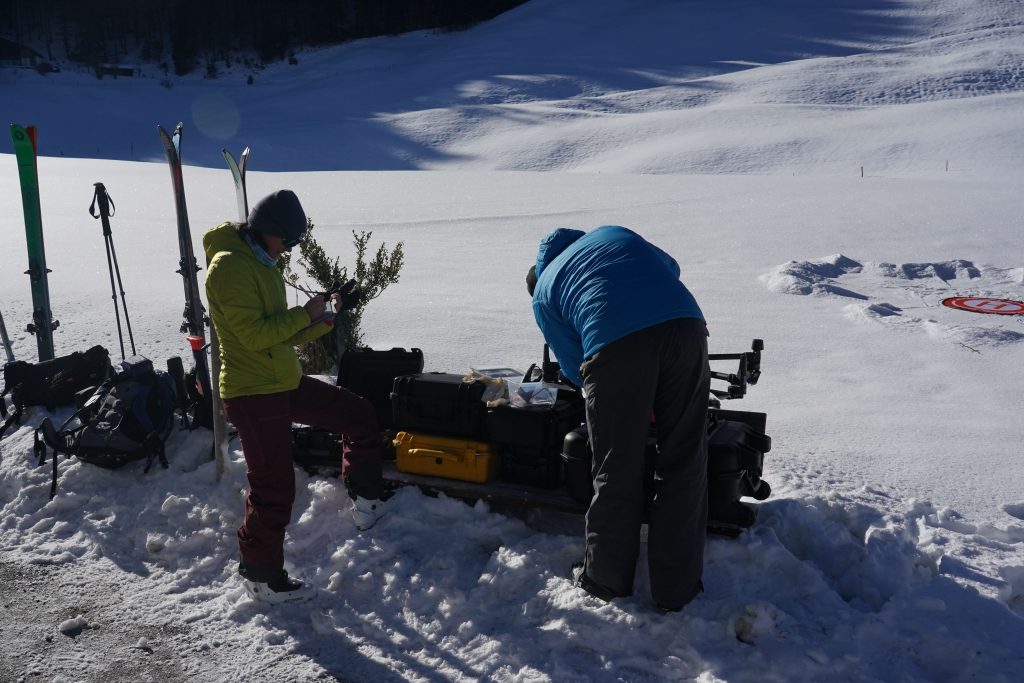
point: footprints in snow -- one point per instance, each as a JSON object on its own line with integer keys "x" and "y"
{"x": 1014, "y": 510}
{"x": 868, "y": 557}
{"x": 908, "y": 296}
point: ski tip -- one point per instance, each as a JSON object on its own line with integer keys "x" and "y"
{"x": 19, "y": 133}
{"x": 177, "y": 129}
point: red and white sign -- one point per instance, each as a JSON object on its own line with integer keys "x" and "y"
{"x": 980, "y": 304}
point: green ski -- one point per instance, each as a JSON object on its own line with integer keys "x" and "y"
{"x": 43, "y": 323}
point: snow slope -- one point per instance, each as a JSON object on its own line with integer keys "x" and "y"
{"x": 893, "y": 545}
{"x": 647, "y": 86}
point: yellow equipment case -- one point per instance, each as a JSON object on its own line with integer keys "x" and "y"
{"x": 448, "y": 457}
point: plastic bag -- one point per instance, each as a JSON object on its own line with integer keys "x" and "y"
{"x": 496, "y": 393}
{"x": 522, "y": 394}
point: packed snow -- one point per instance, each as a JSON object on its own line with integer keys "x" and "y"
{"x": 826, "y": 173}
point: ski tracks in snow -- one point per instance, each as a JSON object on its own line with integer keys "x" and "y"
{"x": 908, "y": 296}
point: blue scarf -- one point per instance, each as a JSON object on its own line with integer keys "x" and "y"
{"x": 261, "y": 254}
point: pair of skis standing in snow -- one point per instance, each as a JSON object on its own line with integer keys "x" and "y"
{"x": 210, "y": 409}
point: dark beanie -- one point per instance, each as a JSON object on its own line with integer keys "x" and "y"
{"x": 279, "y": 214}
{"x": 531, "y": 279}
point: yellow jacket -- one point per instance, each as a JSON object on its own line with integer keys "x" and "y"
{"x": 256, "y": 330}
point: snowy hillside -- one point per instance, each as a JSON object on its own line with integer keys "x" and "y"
{"x": 733, "y": 135}
{"x": 788, "y": 86}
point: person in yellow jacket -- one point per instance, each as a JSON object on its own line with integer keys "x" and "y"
{"x": 264, "y": 390}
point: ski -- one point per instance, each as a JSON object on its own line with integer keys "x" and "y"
{"x": 43, "y": 324}
{"x": 237, "y": 169}
{"x": 194, "y": 323}
{"x": 220, "y": 420}
{"x": 6, "y": 340}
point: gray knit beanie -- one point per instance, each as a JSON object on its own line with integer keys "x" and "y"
{"x": 279, "y": 214}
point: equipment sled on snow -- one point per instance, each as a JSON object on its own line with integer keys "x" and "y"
{"x": 540, "y": 457}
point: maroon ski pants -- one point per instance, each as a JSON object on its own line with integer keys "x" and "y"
{"x": 264, "y": 423}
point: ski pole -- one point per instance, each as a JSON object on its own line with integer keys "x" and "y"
{"x": 101, "y": 197}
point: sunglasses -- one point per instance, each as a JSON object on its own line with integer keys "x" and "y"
{"x": 291, "y": 243}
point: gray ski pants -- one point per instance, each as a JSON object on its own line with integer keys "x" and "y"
{"x": 661, "y": 370}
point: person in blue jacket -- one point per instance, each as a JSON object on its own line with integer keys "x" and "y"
{"x": 627, "y": 331}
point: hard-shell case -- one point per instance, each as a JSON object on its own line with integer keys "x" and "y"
{"x": 735, "y": 461}
{"x": 314, "y": 447}
{"x": 440, "y": 456}
{"x": 530, "y": 439}
{"x": 371, "y": 374}
{"x": 439, "y": 403}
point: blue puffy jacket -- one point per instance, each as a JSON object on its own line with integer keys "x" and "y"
{"x": 594, "y": 288}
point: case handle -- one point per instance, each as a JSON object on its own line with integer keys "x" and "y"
{"x": 431, "y": 453}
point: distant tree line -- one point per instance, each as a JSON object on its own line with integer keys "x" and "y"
{"x": 186, "y": 34}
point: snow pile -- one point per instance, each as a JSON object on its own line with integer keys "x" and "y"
{"x": 72, "y": 627}
{"x": 908, "y": 296}
{"x": 813, "y": 277}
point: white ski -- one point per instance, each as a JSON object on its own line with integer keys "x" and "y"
{"x": 220, "y": 420}
{"x": 6, "y": 340}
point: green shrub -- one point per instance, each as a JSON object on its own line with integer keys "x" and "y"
{"x": 374, "y": 276}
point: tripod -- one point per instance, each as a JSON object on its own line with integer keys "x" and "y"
{"x": 105, "y": 205}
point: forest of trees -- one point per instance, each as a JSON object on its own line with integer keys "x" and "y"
{"x": 189, "y": 34}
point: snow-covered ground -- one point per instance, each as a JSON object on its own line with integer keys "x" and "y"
{"x": 731, "y": 134}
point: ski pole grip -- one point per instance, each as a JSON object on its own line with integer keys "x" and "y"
{"x": 101, "y": 197}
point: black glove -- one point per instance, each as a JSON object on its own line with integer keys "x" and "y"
{"x": 349, "y": 295}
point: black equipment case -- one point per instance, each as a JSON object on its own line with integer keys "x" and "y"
{"x": 371, "y": 374}
{"x": 735, "y": 461}
{"x": 439, "y": 403}
{"x": 313, "y": 447}
{"x": 530, "y": 439}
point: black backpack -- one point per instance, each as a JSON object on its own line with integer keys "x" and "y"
{"x": 53, "y": 383}
{"x": 127, "y": 419}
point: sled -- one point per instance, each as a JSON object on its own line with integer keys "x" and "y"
{"x": 537, "y": 506}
